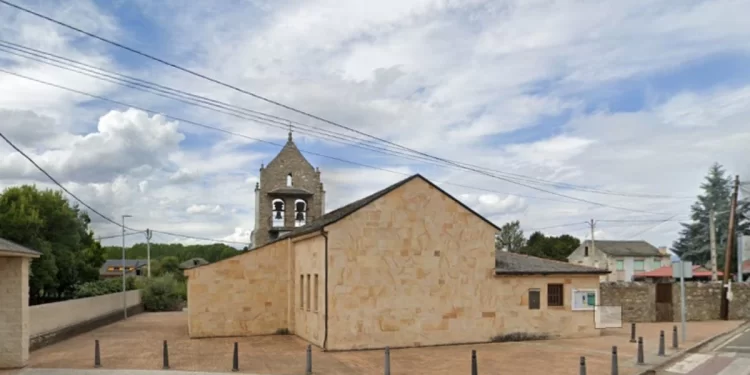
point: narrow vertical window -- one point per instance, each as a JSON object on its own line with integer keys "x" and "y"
{"x": 301, "y": 291}
{"x": 534, "y": 299}
{"x": 308, "y": 292}
{"x": 315, "y": 297}
{"x": 289, "y": 180}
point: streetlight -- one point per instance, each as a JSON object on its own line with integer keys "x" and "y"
{"x": 124, "y": 296}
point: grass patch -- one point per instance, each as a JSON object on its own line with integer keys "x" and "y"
{"x": 520, "y": 336}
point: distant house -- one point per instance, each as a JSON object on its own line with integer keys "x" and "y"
{"x": 113, "y": 268}
{"x": 664, "y": 274}
{"x": 194, "y": 262}
{"x": 624, "y": 258}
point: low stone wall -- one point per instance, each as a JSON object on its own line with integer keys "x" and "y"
{"x": 638, "y": 300}
{"x": 53, "y": 322}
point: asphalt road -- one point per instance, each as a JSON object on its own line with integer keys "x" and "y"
{"x": 732, "y": 357}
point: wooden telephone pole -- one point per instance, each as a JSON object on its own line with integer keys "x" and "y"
{"x": 728, "y": 252}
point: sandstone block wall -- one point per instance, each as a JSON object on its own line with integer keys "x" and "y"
{"x": 14, "y": 312}
{"x": 638, "y": 300}
{"x": 243, "y": 295}
{"x": 308, "y": 306}
{"x": 415, "y": 268}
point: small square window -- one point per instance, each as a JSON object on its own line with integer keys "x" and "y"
{"x": 638, "y": 265}
{"x": 554, "y": 295}
{"x": 535, "y": 297}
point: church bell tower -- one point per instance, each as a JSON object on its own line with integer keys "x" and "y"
{"x": 289, "y": 195}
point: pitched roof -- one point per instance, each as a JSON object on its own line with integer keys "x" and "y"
{"x": 355, "y": 206}
{"x": 14, "y": 248}
{"x": 192, "y": 263}
{"x": 507, "y": 263}
{"x": 135, "y": 263}
{"x": 626, "y": 248}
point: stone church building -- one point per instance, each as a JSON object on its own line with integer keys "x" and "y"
{"x": 406, "y": 266}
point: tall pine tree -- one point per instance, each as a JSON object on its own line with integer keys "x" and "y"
{"x": 694, "y": 242}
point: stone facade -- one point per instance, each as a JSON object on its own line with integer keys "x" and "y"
{"x": 411, "y": 268}
{"x": 305, "y": 185}
{"x": 702, "y": 299}
{"x": 240, "y": 295}
{"x": 638, "y": 300}
{"x": 14, "y": 311}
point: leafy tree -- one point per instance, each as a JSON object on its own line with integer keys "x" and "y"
{"x": 550, "y": 247}
{"x": 163, "y": 293}
{"x": 694, "y": 241}
{"x": 168, "y": 265}
{"x": 44, "y": 220}
{"x": 510, "y": 237}
{"x": 211, "y": 253}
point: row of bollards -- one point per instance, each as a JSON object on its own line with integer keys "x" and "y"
{"x": 662, "y": 343}
{"x": 474, "y": 367}
{"x": 235, "y": 358}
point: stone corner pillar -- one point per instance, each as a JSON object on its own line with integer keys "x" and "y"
{"x": 14, "y": 312}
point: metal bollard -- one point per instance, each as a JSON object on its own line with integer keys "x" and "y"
{"x": 675, "y": 344}
{"x": 661, "y": 344}
{"x": 166, "y": 357}
{"x": 582, "y": 370}
{"x": 97, "y": 356}
{"x": 640, "y": 351}
{"x": 632, "y": 332}
{"x": 236, "y": 359}
{"x": 474, "y": 370}
{"x": 615, "y": 366}
{"x": 387, "y": 361}
{"x": 308, "y": 362}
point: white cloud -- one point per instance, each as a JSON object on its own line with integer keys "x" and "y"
{"x": 204, "y": 209}
{"x": 475, "y": 81}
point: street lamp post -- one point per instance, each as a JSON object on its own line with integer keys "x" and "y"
{"x": 124, "y": 295}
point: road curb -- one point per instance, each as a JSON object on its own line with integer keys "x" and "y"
{"x": 695, "y": 348}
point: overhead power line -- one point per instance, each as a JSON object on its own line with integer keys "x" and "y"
{"x": 257, "y": 116}
{"x": 279, "y": 145}
{"x": 98, "y": 97}
{"x": 92, "y": 209}
{"x": 175, "y": 66}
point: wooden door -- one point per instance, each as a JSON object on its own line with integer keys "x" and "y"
{"x": 664, "y": 302}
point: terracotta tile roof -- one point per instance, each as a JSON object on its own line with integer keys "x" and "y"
{"x": 14, "y": 248}
{"x": 666, "y": 271}
{"x": 507, "y": 263}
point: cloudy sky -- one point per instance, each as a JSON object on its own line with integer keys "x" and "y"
{"x": 566, "y": 110}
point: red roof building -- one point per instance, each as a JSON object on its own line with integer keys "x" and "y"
{"x": 699, "y": 272}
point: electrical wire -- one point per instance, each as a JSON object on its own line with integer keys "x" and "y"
{"x": 255, "y": 116}
{"x": 98, "y": 97}
{"x": 191, "y": 72}
{"x": 92, "y": 209}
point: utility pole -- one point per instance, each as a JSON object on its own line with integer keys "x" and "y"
{"x": 712, "y": 236}
{"x": 728, "y": 253}
{"x": 592, "y": 224}
{"x": 148, "y": 251}
{"x": 122, "y": 267}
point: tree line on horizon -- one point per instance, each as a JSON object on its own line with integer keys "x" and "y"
{"x": 46, "y": 221}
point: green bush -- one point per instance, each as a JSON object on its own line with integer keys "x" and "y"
{"x": 101, "y": 287}
{"x": 163, "y": 293}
